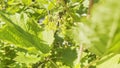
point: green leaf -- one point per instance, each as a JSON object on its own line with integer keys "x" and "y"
{"x": 69, "y": 55}
{"x": 43, "y": 3}
{"x": 50, "y": 6}
{"x": 86, "y": 3}
{"x": 79, "y": 34}
{"x": 17, "y": 35}
{"x": 105, "y": 20}
{"x": 27, "y": 2}
{"x": 112, "y": 62}
{"x": 47, "y": 36}
{"x": 26, "y": 58}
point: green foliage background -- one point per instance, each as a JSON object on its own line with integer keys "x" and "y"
{"x": 59, "y": 34}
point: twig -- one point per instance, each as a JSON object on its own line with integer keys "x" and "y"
{"x": 90, "y": 7}
{"x": 80, "y": 51}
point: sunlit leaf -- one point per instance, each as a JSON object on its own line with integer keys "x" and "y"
{"x": 112, "y": 62}
{"x": 27, "y": 2}
{"x": 14, "y": 33}
{"x": 28, "y": 58}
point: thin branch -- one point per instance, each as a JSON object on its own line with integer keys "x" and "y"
{"x": 80, "y": 51}
{"x": 90, "y": 7}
